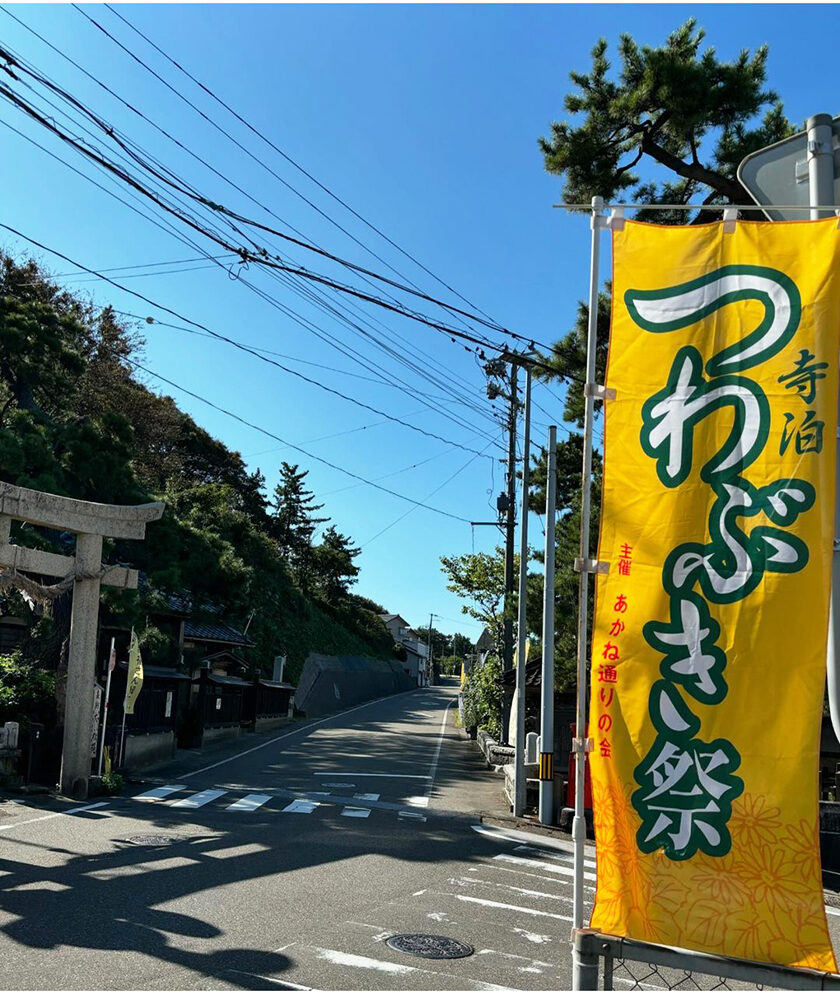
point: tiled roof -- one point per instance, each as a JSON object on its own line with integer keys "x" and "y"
{"x": 198, "y": 631}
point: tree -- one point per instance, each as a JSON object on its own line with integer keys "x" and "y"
{"x": 677, "y": 109}
{"x": 670, "y": 125}
{"x": 294, "y": 521}
{"x": 461, "y": 645}
{"x": 480, "y": 580}
{"x": 332, "y": 565}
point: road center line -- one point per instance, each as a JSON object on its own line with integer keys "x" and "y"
{"x": 60, "y": 813}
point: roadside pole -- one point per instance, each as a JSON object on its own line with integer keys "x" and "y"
{"x": 510, "y": 533}
{"x": 522, "y": 635}
{"x": 547, "y": 715}
{"x": 429, "y": 673}
{"x": 580, "y": 743}
{"x": 821, "y": 193}
{"x": 112, "y": 659}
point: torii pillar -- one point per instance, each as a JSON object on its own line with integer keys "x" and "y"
{"x": 91, "y": 522}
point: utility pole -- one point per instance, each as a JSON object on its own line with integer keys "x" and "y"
{"x": 521, "y": 632}
{"x": 429, "y": 672}
{"x": 510, "y": 533}
{"x": 547, "y": 701}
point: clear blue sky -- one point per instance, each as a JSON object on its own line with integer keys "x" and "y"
{"x": 425, "y": 119}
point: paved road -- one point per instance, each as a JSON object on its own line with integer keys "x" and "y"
{"x": 288, "y": 866}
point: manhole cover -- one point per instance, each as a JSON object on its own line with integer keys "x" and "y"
{"x": 152, "y": 840}
{"x": 430, "y": 946}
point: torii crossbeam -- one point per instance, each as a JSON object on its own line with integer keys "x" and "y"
{"x": 91, "y": 522}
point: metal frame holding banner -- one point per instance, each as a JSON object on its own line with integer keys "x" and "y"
{"x": 721, "y": 399}
{"x": 607, "y": 960}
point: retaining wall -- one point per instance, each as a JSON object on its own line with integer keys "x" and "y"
{"x": 335, "y": 682}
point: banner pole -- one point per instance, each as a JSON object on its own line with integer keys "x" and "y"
{"x": 105, "y": 708}
{"x": 821, "y": 191}
{"x": 579, "y": 744}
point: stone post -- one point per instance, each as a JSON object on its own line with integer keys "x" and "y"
{"x": 81, "y": 668}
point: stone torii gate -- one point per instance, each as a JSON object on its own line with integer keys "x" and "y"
{"x": 91, "y": 522}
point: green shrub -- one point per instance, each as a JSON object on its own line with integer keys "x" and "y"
{"x": 483, "y": 697}
{"x": 27, "y": 691}
{"x": 112, "y": 783}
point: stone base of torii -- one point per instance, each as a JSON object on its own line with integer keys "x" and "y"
{"x": 91, "y": 522}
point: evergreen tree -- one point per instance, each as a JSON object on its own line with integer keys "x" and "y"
{"x": 333, "y": 567}
{"x": 294, "y": 522}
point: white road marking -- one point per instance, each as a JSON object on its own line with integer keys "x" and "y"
{"x": 418, "y": 801}
{"x": 563, "y": 870}
{"x": 60, "y": 813}
{"x": 537, "y": 939}
{"x": 510, "y": 906}
{"x": 409, "y": 815}
{"x": 526, "y": 837}
{"x": 363, "y": 962}
{"x": 280, "y": 737}
{"x": 301, "y": 807}
{"x": 435, "y": 760}
{"x": 535, "y": 965}
{"x": 559, "y": 880}
{"x": 250, "y": 802}
{"x": 340, "y": 785}
{"x": 356, "y": 812}
{"x": 464, "y": 881}
{"x": 380, "y": 775}
{"x": 366, "y": 796}
{"x": 558, "y": 858}
{"x": 199, "y": 799}
{"x": 284, "y": 984}
{"x": 159, "y": 793}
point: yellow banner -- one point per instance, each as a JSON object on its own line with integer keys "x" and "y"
{"x": 708, "y": 652}
{"x": 134, "y": 676}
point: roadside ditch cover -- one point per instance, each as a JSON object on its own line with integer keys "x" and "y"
{"x": 430, "y": 946}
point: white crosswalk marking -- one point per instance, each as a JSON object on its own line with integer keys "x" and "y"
{"x": 199, "y": 799}
{"x": 366, "y": 796}
{"x": 159, "y": 792}
{"x": 356, "y": 812}
{"x": 417, "y": 801}
{"x": 301, "y": 807}
{"x": 562, "y": 870}
{"x": 409, "y": 815}
{"x": 250, "y": 802}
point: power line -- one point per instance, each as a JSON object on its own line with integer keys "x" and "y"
{"x": 235, "y": 343}
{"x": 287, "y": 311}
{"x": 297, "y": 448}
{"x": 305, "y": 244}
{"x": 411, "y": 510}
{"x": 292, "y": 161}
{"x": 326, "y": 216}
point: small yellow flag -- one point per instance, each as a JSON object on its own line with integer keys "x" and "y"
{"x": 135, "y": 674}
{"x": 107, "y": 761}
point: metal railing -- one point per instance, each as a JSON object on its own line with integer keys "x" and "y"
{"x": 603, "y": 961}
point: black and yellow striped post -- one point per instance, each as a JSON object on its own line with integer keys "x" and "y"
{"x": 546, "y": 769}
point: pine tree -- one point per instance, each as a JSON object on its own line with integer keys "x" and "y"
{"x": 333, "y": 566}
{"x": 294, "y": 522}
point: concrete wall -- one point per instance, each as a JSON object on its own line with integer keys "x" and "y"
{"x": 143, "y": 750}
{"x": 335, "y": 682}
{"x": 267, "y": 723}
{"x": 219, "y": 734}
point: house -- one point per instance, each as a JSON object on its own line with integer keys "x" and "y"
{"x": 416, "y": 663}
